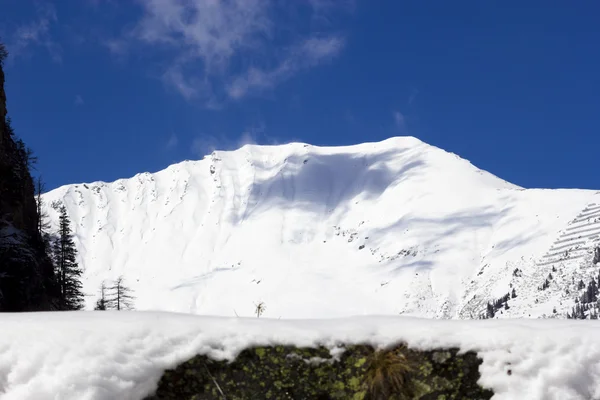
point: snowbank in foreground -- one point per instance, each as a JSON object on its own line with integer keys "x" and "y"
{"x": 112, "y": 355}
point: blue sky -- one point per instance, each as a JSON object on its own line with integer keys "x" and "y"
{"x": 104, "y": 89}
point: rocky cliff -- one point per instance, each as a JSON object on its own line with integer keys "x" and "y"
{"x": 26, "y": 273}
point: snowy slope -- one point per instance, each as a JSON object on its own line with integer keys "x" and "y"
{"x": 121, "y": 355}
{"x": 392, "y": 227}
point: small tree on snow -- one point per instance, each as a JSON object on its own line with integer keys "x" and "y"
{"x": 119, "y": 296}
{"x": 101, "y": 302}
{"x": 260, "y": 309}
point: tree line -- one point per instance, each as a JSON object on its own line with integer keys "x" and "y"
{"x": 63, "y": 253}
{"x": 38, "y": 268}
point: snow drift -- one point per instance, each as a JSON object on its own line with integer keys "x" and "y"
{"x": 121, "y": 355}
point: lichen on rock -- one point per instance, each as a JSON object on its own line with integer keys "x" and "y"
{"x": 287, "y": 372}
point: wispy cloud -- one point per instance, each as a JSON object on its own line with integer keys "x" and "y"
{"x": 413, "y": 96}
{"x": 227, "y": 49}
{"x": 306, "y": 55}
{"x": 399, "y": 121}
{"x": 116, "y": 46}
{"x": 206, "y": 144}
{"x": 172, "y": 142}
{"x": 79, "y": 100}
{"x": 37, "y": 33}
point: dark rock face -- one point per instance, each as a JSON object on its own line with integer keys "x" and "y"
{"x": 284, "y": 372}
{"x": 26, "y": 273}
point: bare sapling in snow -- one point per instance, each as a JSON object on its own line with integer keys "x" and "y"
{"x": 260, "y": 309}
{"x": 119, "y": 296}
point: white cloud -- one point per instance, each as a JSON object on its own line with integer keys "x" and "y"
{"x": 211, "y": 30}
{"x": 78, "y": 100}
{"x": 400, "y": 121}
{"x": 220, "y": 49}
{"x": 37, "y": 33}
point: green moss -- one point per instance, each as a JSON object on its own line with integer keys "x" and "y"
{"x": 359, "y": 363}
{"x": 354, "y": 383}
{"x": 260, "y": 352}
{"x": 281, "y": 372}
{"x": 359, "y": 395}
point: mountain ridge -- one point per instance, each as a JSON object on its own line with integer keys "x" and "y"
{"x": 396, "y": 226}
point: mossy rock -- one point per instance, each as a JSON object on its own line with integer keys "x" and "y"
{"x": 285, "y": 372}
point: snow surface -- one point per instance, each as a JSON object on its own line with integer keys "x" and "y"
{"x": 395, "y": 227}
{"x": 121, "y": 355}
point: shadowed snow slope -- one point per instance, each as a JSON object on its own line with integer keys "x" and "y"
{"x": 392, "y": 227}
{"x": 121, "y": 355}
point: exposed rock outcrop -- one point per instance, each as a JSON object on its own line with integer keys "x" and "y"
{"x": 26, "y": 273}
{"x": 284, "y": 372}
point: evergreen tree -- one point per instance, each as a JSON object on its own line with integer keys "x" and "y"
{"x": 514, "y": 293}
{"x": 101, "y": 303}
{"x": 68, "y": 271}
{"x": 579, "y": 312}
{"x": 119, "y": 296}
{"x": 3, "y": 53}
{"x": 591, "y": 294}
{"x": 42, "y": 217}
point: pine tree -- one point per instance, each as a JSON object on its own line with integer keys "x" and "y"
{"x": 101, "y": 303}
{"x": 42, "y": 217}
{"x": 593, "y": 290}
{"x": 68, "y": 271}
{"x": 514, "y": 293}
{"x": 119, "y": 296}
{"x": 579, "y": 312}
{"x": 3, "y": 53}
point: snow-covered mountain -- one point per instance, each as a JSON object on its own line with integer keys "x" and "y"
{"x": 395, "y": 227}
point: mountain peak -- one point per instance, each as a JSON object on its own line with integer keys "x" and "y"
{"x": 396, "y": 226}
